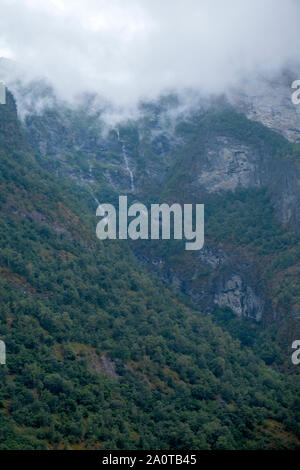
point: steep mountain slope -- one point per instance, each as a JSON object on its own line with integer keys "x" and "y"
{"x": 248, "y": 177}
{"x": 246, "y": 174}
{"x": 101, "y": 354}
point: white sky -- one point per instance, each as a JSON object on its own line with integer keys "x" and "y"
{"x": 128, "y": 49}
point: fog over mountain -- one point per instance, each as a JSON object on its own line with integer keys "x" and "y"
{"x": 142, "y": 49}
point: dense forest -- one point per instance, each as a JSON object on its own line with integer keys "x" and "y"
{"x": 101, "y": 353}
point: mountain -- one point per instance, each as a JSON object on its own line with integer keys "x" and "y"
{"x": 103, "y": 353}
{"x": 246, "y": 173}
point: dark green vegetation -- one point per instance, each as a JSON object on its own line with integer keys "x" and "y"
{"x": 101, "y": 354}
{"x": 241, "y": 222}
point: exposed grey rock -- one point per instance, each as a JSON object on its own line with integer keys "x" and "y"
{"x": 269, "y": 102}
{"x": 231, "y": 282}
{"x": 240, "y": 298}
{"x": 102, "y": 364}
{"x": 227, "y": 165}
{"x": 212, "y": 257}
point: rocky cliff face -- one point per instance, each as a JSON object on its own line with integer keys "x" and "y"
{"x": 215, "y": 279}
{"x": 269, "y": 102}
{"x": 240, "y": 298}
{"x": 226, "y": 164}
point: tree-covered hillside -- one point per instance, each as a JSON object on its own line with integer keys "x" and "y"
{"x": 100, "y": 353}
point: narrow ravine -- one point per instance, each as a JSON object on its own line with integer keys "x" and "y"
{"x": 124, "y": 153}
{"x": 126, "y": 162}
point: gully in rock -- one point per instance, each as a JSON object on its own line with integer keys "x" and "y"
{"x": 125, "y": 158}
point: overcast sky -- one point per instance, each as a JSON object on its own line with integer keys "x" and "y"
{"x": 127, "y": 49}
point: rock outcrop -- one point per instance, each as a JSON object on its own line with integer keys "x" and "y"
{"x": 269, "y": 102}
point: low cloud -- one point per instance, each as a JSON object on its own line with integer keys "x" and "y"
{"x": 127, "y": 50}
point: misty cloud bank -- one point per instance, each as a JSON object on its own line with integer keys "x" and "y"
{"x": 127, "y": 50}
